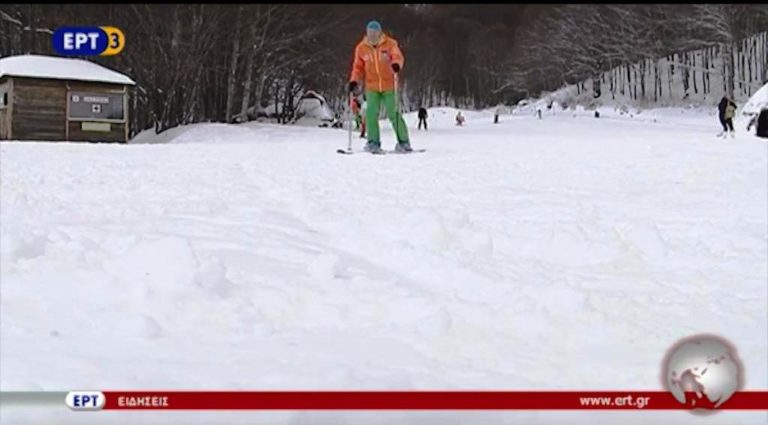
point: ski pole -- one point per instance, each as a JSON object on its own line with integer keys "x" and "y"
{"x": 349, "y": 121}
{"x": 397, "y": 109}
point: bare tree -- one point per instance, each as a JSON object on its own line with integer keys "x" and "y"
{"x": 233, "y": 64}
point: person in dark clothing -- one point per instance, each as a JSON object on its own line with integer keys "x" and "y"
{"x": 762, "y": 123}
{"x": 726, "y": 111}
{"x": 497, "y": 113}
{"x": 422, "y": 118}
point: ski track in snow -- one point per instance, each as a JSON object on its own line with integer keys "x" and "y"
{"x": 563, "y": 253}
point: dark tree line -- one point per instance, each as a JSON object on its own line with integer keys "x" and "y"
{"x": 227, "y": 62}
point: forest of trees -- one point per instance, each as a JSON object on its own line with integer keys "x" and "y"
{"x": 217, "y": 62}
{"x": 688, "y": 78}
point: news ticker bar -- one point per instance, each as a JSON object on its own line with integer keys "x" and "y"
{"x": 378, "y": 400}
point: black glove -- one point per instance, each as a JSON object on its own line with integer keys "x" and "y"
{"x": 352, "y": 86}
{"x": 396, "y": 67}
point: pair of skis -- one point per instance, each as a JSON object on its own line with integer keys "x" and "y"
{"x": 382, "y": 152}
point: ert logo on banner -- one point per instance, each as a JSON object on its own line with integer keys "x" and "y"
{"x": 88, "y": 41}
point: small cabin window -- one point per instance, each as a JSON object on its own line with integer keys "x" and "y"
{"x": 4, "y": 97}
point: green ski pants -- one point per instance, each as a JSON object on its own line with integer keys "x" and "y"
{"x": 374, "y": 99}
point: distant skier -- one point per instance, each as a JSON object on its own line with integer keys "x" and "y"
{"x": 726, "y": 111}
{"x": 356, "y": 107}
{"x": 459, "y": 119}
{"x": 499, "y": 111}
{"x": 363, "y": 108}
{"x": 376, "y": 62}
{"x": 423, "y": 118}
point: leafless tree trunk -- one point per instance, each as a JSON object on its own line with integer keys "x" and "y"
{"x": 233, "y": 65}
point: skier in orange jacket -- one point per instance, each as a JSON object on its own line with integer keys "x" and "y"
{"x": 377, "y": 59}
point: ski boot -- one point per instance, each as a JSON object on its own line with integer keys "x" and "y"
{"x": 373, "y": 147}
{"x": 403, "y": 147}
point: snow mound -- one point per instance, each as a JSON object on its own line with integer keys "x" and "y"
{"x": 196, "y": 133}
{"x": 16, "y": 247}
{"x": 37, "y": 66}
{"x": 752, "y": 108}
{"x": 146, "y": 264}
{"x": 312, "y": 110}
{"x": 757, "y": 102}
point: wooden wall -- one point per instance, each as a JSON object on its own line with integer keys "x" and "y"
{"x": 5, "y": 121}
{"x": 115, "y": 134}
{"x": 5, "y": 112}
{"x": 40, "y": 111}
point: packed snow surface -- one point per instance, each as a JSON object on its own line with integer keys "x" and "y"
{"x": 564, "y": 253}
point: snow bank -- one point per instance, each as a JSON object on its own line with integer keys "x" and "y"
{"x": 751, "y": 109}
{"x": 250, "y": 132}
{"x": 309, "y": 108}
{"x": 200, "y": 132}
{"x": 756, "y": 103}
{"x": 312, "y": 111}
{"x": 36, "y": 66}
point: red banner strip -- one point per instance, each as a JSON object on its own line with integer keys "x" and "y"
{"x": 422, "y": 400}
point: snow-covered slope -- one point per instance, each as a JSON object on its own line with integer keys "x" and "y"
{"x": 687, "y": 79}
{"x": 563, "y": 253}
{"x": 37, "y": 66}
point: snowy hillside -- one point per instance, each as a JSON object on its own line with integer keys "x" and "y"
{"x": 562, "y": 253}
{"x": 689, "y": 79}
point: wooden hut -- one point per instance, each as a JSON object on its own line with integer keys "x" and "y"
{"x": 48, "y": 98}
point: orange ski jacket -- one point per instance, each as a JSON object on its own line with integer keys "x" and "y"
{"x": 373, "y": 64}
